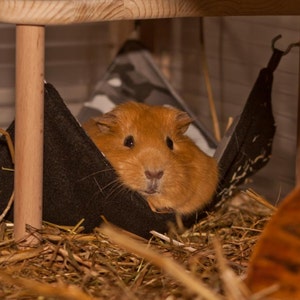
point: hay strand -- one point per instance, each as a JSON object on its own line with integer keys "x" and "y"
{"x": 171, "y": 241}
{"x": 166, "y": 264}
{"x": 12, "y": 154}
{"x": 251, "y": 193}
{"x": 211, "y": 101}
{"x": 235, "y": 289}
{"x": 47, "y": 290}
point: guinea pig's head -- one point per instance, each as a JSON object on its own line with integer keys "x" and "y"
{"x": 147, "y": 147}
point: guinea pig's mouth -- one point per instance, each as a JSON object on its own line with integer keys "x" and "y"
{"x": 152, "y": 187}
{"x": 150, "y": 192}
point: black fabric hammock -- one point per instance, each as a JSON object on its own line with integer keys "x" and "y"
{"x": 77, "y": 177}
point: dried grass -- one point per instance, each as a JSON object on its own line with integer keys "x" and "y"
{"x": 206, "y": 262}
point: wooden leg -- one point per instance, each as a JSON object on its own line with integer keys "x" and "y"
{"x": 30, "y": 44}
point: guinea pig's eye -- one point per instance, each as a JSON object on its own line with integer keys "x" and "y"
{"x": 129, "y": 141}
{"x": 169, "y": 142}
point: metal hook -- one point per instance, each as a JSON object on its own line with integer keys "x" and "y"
{"x": 288, "y": 49}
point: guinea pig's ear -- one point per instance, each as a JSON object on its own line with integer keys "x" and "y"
{"x": 183, "y": 121}
{"x": 106, "y": 122}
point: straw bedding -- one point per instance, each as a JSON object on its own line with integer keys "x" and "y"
{"x": 207, "y": 261}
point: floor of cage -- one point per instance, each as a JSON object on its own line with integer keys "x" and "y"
{"x": 71, "y": 265}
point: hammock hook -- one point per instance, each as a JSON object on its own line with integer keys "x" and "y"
{"x": 288, "y": 49}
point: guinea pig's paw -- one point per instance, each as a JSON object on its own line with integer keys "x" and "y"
{"x": 160, "y": 210}
{"x": 165, "y": 210}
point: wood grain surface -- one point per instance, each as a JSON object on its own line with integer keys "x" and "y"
{"x": 43, "y": 12}
{"x": 29, "y": 130}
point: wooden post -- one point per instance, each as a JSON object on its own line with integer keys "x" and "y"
{"x": 30, "y": 43}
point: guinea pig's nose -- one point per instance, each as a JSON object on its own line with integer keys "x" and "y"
{"x": 154, "y": 174}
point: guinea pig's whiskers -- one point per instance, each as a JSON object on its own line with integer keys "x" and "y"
{"x": 111, "y": 184}
{"x": 116, "y": 189}
{"x": 111, "y": 187}
{"x": 95, "y": 173}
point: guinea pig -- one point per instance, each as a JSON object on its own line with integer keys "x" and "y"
{"x": 148, "y": 148}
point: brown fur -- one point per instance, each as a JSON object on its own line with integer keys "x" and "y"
{"x": 275, "y": 261}
{"x": 189, "y": 176}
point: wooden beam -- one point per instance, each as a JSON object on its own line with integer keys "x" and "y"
{"x": 29, "y": 129}
{"x": 79, "y": 11}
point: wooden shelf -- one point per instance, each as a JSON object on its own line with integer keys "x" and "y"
{"x": 56, "y": 12}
